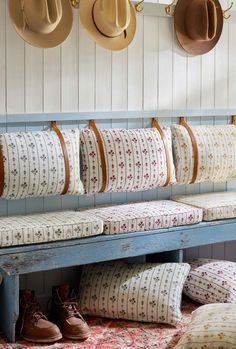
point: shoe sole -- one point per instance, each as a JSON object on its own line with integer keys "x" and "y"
{"x": 46, "y": 340}
{"x": 69, "y": 336}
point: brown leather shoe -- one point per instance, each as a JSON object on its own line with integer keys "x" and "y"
{"x": 33, "y": 326}
{"x": 66, "y": 314}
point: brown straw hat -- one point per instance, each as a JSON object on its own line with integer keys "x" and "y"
{"x": 198, "y": 24}
{"x": 41, "y": 23}
{"x": 111, "y": 23}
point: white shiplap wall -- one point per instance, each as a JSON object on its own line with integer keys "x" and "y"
{"x": 153, "y": 73}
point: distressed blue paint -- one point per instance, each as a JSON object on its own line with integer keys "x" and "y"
{"x": 9, "y": 305}
{"x": 107, "y": 115}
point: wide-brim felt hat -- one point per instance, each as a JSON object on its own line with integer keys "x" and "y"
{"x": 198, "y": 25}
{"x": 99, "y": 18}
{"x": 41, "y": 23}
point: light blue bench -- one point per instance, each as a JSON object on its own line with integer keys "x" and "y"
{"x": 16, "y": 261}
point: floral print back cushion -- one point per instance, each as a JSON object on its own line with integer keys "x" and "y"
{"x": 142, "y": 292}
{"x": 216, "y": 147}
{"x": 135, "y": 160}
{"x": 213, "y": 326}
{"x": 34, "y": 163}
{"x": 211, "y": 281}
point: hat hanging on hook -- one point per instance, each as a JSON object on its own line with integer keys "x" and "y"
{"x": 41, "y": 23}
{"x": 198, "y": 24}
{"x": 111, "y": 23}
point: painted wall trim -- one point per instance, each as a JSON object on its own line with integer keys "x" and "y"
{"x": 102, "y": 115}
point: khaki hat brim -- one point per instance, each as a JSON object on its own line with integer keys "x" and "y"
{"x": 117, "y": 43}
{"x": 53, "y": 39}
{"x": 194, "y": 47}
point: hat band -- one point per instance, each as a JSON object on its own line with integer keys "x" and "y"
{"x": 111, "y": 37}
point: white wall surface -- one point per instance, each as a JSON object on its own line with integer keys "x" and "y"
{"x": 153, "y": 73}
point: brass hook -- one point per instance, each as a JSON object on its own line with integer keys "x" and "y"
{"x": 225, "y": 15}
{"x": 169, "y": 7}
{"x": 139, "y": 6}
{"x": 75, "y": 3}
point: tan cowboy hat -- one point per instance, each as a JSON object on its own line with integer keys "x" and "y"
{"x": 111, "y": 23}
{"x": 198, "y": 24}
{"x": 41, "y": 23}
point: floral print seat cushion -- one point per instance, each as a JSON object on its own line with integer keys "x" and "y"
{"x": 135, "y": 159}
{"x": 213, "y": 326}
{"x": 216, "y": 147}
{"x": 34, "y": 163}
{"x": 143, "y": 216}
{"x": 214, "y": 205}
{"x": 47, "y": 227}
{"x": 146, "y": 292}
{"x": 211, "y": 281}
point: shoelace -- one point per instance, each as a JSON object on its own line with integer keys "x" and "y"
{"x": 33, "y": 309}
{"x": 71, "y": 308}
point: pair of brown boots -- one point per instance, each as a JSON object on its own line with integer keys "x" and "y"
{"x": 34, "y": 326}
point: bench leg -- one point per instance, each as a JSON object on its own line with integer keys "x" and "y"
{"x": 9, "y": 305}
{"x": 165, "y": 257}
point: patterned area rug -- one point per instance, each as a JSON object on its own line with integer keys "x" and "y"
{"x": 111, "y": 334}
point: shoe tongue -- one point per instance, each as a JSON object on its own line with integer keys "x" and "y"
{"x": 64, "y": 292}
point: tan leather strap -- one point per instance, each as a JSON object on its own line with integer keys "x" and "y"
{"x": 156, "y": 125}
{"x": 2, "y": 175}
{"x": 183, "y": 123}
{"x": 233, "y": 119}
{"x": 65, "y": 155}
{"x": 93, "y": 127}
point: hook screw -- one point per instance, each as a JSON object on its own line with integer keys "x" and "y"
{"x": 75, "y": 3}
{"x": 139, "y": 6}
{"x": 227, "y": 15}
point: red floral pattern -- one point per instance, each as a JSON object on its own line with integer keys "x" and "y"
{"x": 135, "y": 160}
{"x": 119, "y": 334}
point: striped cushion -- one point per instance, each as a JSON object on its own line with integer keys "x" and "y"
{"x": 47, "y": 227}
{"x": 216, "y": 153}
{"x": 141, "y": 292}
{"x": 211, "y": 281}
{"x": 34, "y": 163}
{"x": 135, "y": 160}
{"x": 146, "y": 216}
{"x": 214, "y": 205}
{"x": 213, "y": 326}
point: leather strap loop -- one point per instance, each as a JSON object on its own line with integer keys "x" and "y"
{"x": 156, "y": 125}
{"x": 183, "y": 123}
{"x": 94, "y": 128}
{"x": 65, "y": 155}
{"x": 2, "y": 174}
{"x": 233, "y": 119}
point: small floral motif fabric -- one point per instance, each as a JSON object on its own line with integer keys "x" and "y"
{"x": 143, "y": 216}
{"x": 211, "y": 281}
{"x": 34, "y": 163}
{"x": 141, "y": 292}
{"x": 213, "y": 326}
{"x": 135, "y": 160}
{"x": 215, "y": 205}
{"x": 47, "y": 227}
{"x": 216, "y": 153}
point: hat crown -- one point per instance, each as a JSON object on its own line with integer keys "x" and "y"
{"x": 42, "y": 16}
{"x": 201, "y": 20}
{"x": 111, "y": 17}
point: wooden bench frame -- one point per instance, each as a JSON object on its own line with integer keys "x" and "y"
{"x": 15, "y": 261}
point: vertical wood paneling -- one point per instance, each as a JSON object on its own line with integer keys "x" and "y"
{"x": 165, "y": 80}
{"x": 135, "y": 69}
{"x": 232, "y": 66}
{"x": 70, "y": 69}
{"x": 179, "y": 77}
{"x": 52, "y": 80}
{"x": 15, "y": 70}
{"x": 120, "y": 80}
{"x": 2, "y": 57}
{"x": 150, "y": 83}
{"x": 33, "y": 79}
{"x": 103, "y": 79}
{"x": 86, "y": 71}
{"x": 208, "y": 80}
{"x": 193, "y": 82}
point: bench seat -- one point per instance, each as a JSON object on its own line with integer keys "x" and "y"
{"x": 47, "y": 227}
{"x": 145, "y": 216}
{"x": 214, "y": 205}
